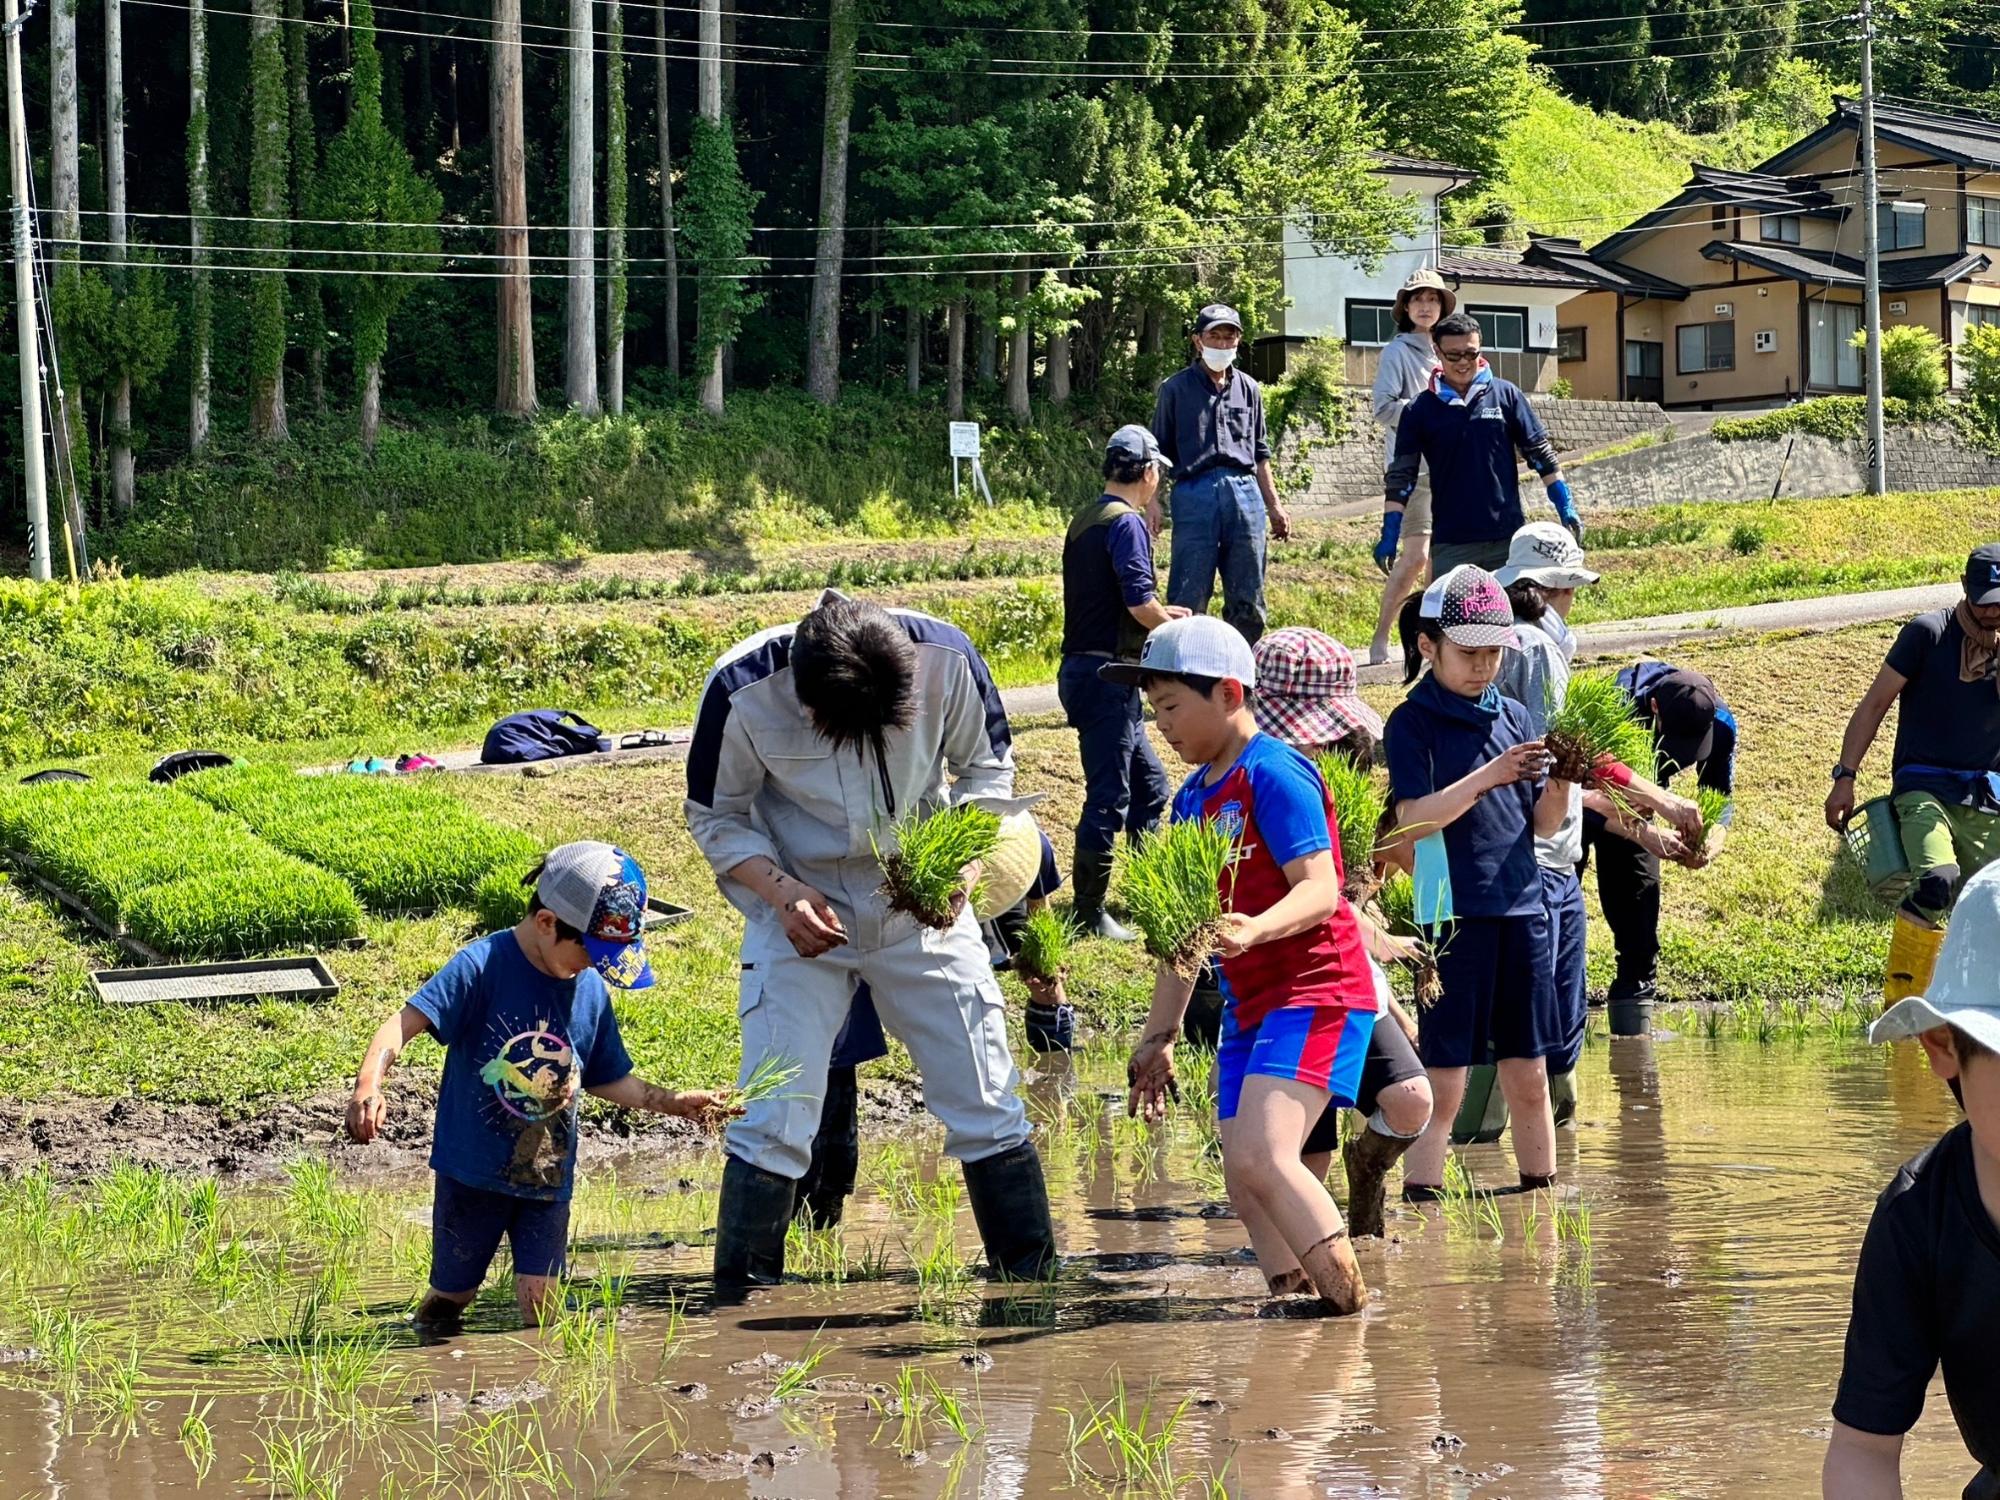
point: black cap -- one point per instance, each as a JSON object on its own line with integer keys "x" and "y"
{"x": 1217, "y": 315}
{"x": 1982, "y": 575}
{"x": 1684, "y": 707}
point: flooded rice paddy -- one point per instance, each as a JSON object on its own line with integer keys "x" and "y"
{"x": 1671, "y": 1328}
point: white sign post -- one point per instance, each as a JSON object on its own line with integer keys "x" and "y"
{"x": 965, "y": 447}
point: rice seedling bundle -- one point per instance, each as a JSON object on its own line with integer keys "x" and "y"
{"x": 1398, "y": 900}
{"x": 403, "y": 845}
{"x": 1046, "y": 942}
{"x": 1358, "y": 804}
{"x": 1595, "y": 723}
{"x": 1713, "y": 805}
{"x": 174, "y": 872}
{"x": 1172, "y": 888}
{"x": 923, "y": 867}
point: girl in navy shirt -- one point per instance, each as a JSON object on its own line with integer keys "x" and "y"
{"x": 1467, "y": 773}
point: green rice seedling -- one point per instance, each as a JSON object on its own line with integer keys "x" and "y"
{"x": 325, "y": 1212}
{"x": 1046, "y": 944}
{"x": 924, "y": 865}
{"x": 1573, "y": 1224}
{"x": 197, "y": 1439}
{"x": 300, "y": 1465}
{"x": 793, "y": 1380}
{"x": 1486, "y": 1214}
{"x": 1711, "y": 1022}
{"x": 938, "y": 1199}
{"x": 909, "y": 1405}
{"x": 68, "y": 1342}
{"x": 818, "y": 1255}
{"x": 114, "y": 1394}
{"x": 771, "y": 1080}
{"x": 1398, "y": 900}
{"x": 1359, "y": 801}
{"x": 1596, "y": 723}
{"x": 1172, "y": 888}
{"x": 1132, "y": 1442}
{"x": 951, "y": 1410}
{"x": 942, "y": 1274}
{"x": 500, "y": 900}
{"x": 1714, "y": 805}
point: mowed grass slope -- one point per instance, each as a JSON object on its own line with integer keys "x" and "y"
{"x": 1780, "y": 916}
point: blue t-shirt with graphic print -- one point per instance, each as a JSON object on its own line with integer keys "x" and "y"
{"x": 513, "y": 1036}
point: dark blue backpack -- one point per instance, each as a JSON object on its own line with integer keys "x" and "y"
{"x": 538, "y": 734}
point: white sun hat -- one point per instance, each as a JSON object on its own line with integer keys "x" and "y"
{"x": 1965, "y": 987}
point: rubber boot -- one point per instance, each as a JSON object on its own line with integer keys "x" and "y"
{"x": 1336, "y": 1274}
{"x": 823, "y": 1192}
{"x": 1482, "y": 1117}
{"x": 1562, "y": 1097}
{"x": 1367, "y": 1155}
{"x": 1631, "y": 1007}
{"x": 750, "y": 1225}
{"x": 1010, "y": 1204}
{"x": 1092, "y": 878}
{"x": 1913, "y": 955}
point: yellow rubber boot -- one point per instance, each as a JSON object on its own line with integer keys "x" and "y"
{"x": 1913, "y": 954}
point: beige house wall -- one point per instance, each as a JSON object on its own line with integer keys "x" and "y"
{"x": 1595, "y": 376}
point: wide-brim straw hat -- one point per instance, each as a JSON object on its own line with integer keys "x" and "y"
{"x": 1425, "y": 280}
{"x": 1965, "y": 987}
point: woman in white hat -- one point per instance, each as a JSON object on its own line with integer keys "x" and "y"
{"x": 1407, "y": 362}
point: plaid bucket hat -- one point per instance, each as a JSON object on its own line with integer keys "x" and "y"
{"x": 1307, "y": 689}
{"x": 1471, "y": 609}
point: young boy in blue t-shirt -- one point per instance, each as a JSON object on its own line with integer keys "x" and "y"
{"x": 526, "y": 1022}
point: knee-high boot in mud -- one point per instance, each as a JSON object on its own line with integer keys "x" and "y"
{"x": 1367, "y": 1155}
{"x": 1913, "y": 955}
{"x": 1010, "y": 1204}
{"x": 1336, "y": 1275}
{"x": 750, "y": 1225}
{"x": 1092, "y": 887}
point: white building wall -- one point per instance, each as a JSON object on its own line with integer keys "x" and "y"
{"x": 1320, "y": 286}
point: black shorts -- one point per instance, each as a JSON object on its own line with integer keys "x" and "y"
{"x": 1391, "y": 1060}
{"x": 1499, "y": 999}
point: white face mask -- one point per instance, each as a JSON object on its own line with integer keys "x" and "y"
{"x": 1217, "y": 360}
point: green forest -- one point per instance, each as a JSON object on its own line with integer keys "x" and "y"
{"x": 318, "y": 270}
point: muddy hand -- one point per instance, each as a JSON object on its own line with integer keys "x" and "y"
{"x": 366, "y": 1115}
{"x": 710, "y": 1108}
{"x": 1150, "y": 1080}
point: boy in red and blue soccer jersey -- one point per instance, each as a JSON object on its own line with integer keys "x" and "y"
{"x": 1298, "y": 997}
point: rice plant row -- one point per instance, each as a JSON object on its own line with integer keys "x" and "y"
{"x": 173, "y": 872}
{"x": 403, "y": 845}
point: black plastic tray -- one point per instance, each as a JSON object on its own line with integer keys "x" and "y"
{"x": 249, "y": 979}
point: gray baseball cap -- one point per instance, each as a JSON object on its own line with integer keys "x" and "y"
{"x": 600, "y": 890}
{"x": 1965, "y": 986}
{"x": 1134, "y": 444}
{"x": 1194, "y": 646}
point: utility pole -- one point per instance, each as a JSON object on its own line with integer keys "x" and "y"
{"x": 708, "y": 103}
{"x": 24, "y": 297}
{"x": 1871, "y": 250}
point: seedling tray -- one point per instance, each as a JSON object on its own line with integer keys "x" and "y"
{"x": 664, "y": 914}
{"x": 279, "y": 978}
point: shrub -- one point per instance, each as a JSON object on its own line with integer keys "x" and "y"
{"x": 177, "y": 874}
{"x": 1912, "y": 363}
{"x": 1979, "y": 354}
{"x": 1561, "y": 389}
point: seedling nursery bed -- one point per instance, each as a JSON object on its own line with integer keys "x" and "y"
{"x": 280, "y": 978}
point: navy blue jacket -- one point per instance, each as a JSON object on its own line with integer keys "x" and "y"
{"x": 1469, "y": 444}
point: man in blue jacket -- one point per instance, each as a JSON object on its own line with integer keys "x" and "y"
{"x": 1467, "y": 428}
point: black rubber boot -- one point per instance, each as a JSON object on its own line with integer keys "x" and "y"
{"x": 1091, "y": 875}
{"x": 1631, "y": 1006}
{"x": 1010, "y": 1204}
{"x": 823, "y": 1192}
{"x": 750, "y": 1225}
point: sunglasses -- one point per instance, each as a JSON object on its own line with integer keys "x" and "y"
{"x": 1461, "y": 357}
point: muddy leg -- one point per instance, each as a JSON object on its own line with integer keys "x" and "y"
{"x": 1274, "y": 1257}
{"x": 538, "y": 1297}
{"x": 1261, "y": 1157}
{"x": 443, "y": 1309}
{"x": 1336, "y": 1275}
{"x": 1424, "y": 1167}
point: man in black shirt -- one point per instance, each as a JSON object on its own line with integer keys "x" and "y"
{"x": 1109, "y": 604}
{"x": 1927, "y": 1290}
{"x": 1944, "y": 673}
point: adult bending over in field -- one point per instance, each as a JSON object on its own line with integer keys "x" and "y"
{"x": 1943, "y": 672}
{"x": 811, "y": 740}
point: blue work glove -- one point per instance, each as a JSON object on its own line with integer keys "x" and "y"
{"x": 1392, "y": 535}
{"x": 1565, "y": 504}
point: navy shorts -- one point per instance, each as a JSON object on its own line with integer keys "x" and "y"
{"x": 1499, "y": 996}
{"x": 466, "y": 1226}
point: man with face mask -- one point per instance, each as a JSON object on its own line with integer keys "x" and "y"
{"x": 1209, "y": 422}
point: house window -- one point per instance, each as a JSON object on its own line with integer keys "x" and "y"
{"x": 1705, "y": 346}
{"x": 1978, "y": 315}
{"x": 1832, "y": 359}
{"x": 1570, "y": 344}
{"x": 1900, "y": 226}
{"x": 1779, "y": 229}
{"x": 1502, "y": 328}
{"x": 1642, "y": 359}
{"x": 1371, "y": 324}
{"x": 1982, "y": 220}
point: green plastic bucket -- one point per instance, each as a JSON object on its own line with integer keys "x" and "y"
{"x": 1876, "y": 841}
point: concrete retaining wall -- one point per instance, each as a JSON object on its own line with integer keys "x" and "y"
{"x": 1350, "y": 471}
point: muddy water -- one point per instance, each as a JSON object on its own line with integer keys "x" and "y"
{"x": 1685, "y": 1343}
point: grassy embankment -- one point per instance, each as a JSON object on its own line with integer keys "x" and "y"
{"x": 1778, "y": 918}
